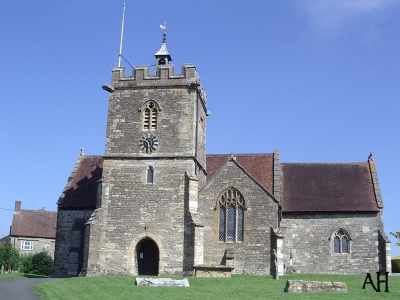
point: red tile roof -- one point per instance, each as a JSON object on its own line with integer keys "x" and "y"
{"x": 335, "y": 187}
{"x": 259, "y": 166}
{"x": 81, "y": 189}
{"x": 34, "y": 223}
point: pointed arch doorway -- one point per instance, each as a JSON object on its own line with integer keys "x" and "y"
{"x": 148, "y": 256}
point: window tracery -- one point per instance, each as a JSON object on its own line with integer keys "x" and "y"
{"x": 341, "y": 242}
{"x": 231, "y": 207}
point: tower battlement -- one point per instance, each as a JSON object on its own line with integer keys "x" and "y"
{"x": 165, "y": 76}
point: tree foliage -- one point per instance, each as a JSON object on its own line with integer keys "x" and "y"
{"x": 26, "y": 264}
{"x": 9, "y": 257}
{"x": 397, "y": 236}
{"x": 42, "y": 263}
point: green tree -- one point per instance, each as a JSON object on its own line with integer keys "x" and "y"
{"x": 397, "y": 236}
{"x": 9, "y": 257}
{"x": 26, "y": 264}
{"x": 42, "y": 263}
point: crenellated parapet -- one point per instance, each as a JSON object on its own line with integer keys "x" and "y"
{"x": 164, "y": 77}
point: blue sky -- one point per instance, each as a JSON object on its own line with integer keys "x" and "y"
{"x": 318, "y": 80}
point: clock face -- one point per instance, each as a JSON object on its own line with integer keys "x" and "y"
{"x": 148, "y": 143}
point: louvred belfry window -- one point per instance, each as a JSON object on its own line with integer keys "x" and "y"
{"x": 150, "y": 117}
{"x": 231, "y": 216}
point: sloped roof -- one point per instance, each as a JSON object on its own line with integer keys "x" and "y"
{"x": 327, "y": 187}
{"x": 80, "y": 191}
{"x": 34, "y": 223}
{"x": 259, "y": 166}
{"x": 163, "y": 50}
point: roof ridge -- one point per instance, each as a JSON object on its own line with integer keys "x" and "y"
{"x": 241, "y": 154}
{"x": 324, "y": 163}
{"x": 37, "y": 210}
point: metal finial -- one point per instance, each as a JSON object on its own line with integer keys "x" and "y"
{"x": 232, "y": 156}
{"x": 164, "y": 27}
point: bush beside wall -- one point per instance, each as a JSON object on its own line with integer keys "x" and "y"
{"x": 396, "y": 264}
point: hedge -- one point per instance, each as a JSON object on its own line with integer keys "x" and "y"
{"x": 396, "y": 264}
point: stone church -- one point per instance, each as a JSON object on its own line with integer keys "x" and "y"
{"x": 156, "y": 204}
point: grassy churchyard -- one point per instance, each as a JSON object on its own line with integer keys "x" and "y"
{"x": 18, "y": 275}
{"x": 237, "y": 287}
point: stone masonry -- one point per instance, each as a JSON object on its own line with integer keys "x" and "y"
{"x": 133, "y": 209}
{"x": 156, "y": 204}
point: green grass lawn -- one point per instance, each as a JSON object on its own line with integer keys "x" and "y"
{"x": 19, "y": 275}
{"x": 237, "y": 287}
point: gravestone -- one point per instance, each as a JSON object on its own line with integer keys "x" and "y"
{"x": 304, "y": 286}
{"x": 162, "y": 282}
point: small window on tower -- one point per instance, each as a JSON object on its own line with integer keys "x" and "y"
{"x": 150, "y": 175}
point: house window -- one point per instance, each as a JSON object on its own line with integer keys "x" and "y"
{"x": 231, "y": 216}
{"x": 26, "y": 245}
{"x": 150, "y": 116}
{"x": 341, "y": 242}
{"x": 150, "y": 175}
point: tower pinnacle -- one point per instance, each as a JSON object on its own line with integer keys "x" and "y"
{"x": 162, "y": 56}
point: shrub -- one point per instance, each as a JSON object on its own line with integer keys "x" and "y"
{"x": 42, "y": 263}
{"x": 9, "y": 257}
{"x": 396, "y": 264}
{"x": 26, "y": 264}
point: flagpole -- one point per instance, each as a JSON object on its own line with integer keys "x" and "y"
{"x": 122, "y": 34}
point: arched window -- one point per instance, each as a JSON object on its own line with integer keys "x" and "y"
{"x": 150, "y": 116}
{"x": 150, "y": 174}
{"x": 341, "y": 242}
{"x": 231, "y": 216}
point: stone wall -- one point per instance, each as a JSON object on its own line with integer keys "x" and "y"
{"x": 180, "y": 108}
{"x": 68, "y": 257}
{"x": 309, "y": 237}
{"x": 252, "y": 256}
{"x": 39, "y": 245}
{"x": 133, "y": 209}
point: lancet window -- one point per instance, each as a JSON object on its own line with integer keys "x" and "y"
{"x": 150, "y": 175}
{"x": 231, "y": 207}
{"x": 341, "y": 242}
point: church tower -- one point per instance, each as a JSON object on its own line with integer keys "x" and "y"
{"x": 153, "y": 165}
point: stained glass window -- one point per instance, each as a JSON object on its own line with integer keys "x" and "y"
{"x": 231, "y": 216}
{"x": 345, "y": 248}
{"x": 341, "y": 242}
{"x": 221, "y": 224}
{"x": 336, "y": 245}
{"x": 240, "y": 224}
{"x": 230, "y": 228}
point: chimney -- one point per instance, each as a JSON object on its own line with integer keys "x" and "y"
{"x": 17, "y": 205}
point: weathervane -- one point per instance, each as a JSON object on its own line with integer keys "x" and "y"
{"x": 164, "y": 27}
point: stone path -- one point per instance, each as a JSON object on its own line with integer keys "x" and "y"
{"x": 20, "y": 288}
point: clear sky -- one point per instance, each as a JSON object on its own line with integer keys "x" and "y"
{"x": 318, "y": 80}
